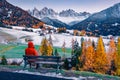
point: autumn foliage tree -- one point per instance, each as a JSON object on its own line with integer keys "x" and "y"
{"x": 88, "y": 56}
{"x": 61, "y": 30}
{"x": 118, "y": 58}
{"x": 82, "y": 33}
{"x": 72, "y": 45}
{"x": 38, "y": 25}
{"x": 83, "y": 52}
{"x": 45, "y": 48}
{"x": 75, "y": 32}
{"x": 100, "y": 64}
{"x": 111, "y": 56}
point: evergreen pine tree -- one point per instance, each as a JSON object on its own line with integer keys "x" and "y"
{"x": 56, "y": 53}
{"x": 66, "y": 64}
{"x": 3, "y": 61}
{"x": 75, "y": 57}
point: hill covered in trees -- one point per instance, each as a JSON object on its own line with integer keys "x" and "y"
{"x": 13, "y": 15}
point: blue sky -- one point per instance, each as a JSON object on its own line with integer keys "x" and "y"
{"x": 59, "y": 5}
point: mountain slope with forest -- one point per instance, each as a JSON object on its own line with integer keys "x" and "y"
{"x": 105, "y": 22}
{"x": 13, "y": 15}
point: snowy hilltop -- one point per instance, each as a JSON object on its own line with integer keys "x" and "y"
{"x": 57, "y": 39}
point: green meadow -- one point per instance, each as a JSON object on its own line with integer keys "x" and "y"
{"x": 17, "y": 51}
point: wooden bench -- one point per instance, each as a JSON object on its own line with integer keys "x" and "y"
{"x": 37, "y": 60}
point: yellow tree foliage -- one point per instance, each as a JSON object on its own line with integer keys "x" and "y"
{"x": 45, "y": 48}
{"x": 38, "y": 25}
{"x": 50, "y": 50}
{"x": 118, "y": 58}
{"x": 75, "y": 32}
{"x": 82, "y": 56}
{"x": 111, "y": 56}
{"x": 83, "y": 51}
{"x": 88, "y": 64}
{"x": 83, "y": 33}
{"x": 63, "y": 29}
{"x": 100, "y": 63}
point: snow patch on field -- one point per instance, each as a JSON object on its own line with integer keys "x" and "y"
{"x": 53, "y": 74}
{"x": 58, "y": 39}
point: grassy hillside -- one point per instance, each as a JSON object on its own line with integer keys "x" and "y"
{"x": 16, "y": 51}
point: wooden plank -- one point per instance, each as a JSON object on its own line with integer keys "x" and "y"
{"x": 57, "y": 57}
{"x": 40, "y": 62}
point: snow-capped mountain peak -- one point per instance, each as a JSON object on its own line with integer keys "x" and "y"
{"x": 47, "y": 12}
{"x": 65, "y": 16}
{"x": 35, "y": 12}
{"x": 69, "y": 13}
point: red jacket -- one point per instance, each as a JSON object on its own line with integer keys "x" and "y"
{"x": 30, "y": 51}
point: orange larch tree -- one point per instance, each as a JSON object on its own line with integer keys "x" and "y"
{"x": 88, "y": 63}
{"x": 111, "y": 56}
{"x": 118, "y": 58}
{"x": 100, "y": 64}
{"x": 83, "y": 53}
{"x": 45, "y": 48}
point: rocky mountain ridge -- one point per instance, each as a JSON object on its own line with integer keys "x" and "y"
{"x": 66, "y": 16}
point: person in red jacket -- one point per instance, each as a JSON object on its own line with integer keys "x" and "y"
{"x": 30, "y": 51}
